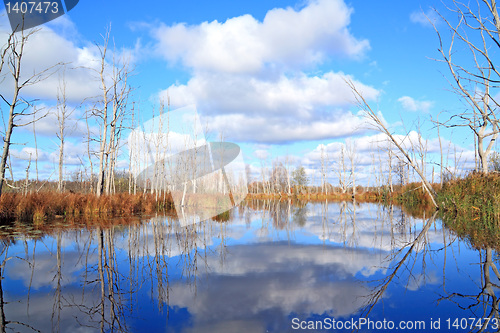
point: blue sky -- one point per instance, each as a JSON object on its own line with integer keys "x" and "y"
{"x": 267, "y": 74}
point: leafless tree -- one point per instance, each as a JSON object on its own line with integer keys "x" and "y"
{"x": 379, "y": 125}
{"x": 341, "y": 170}
{"x": 390, "y": 153}
{"x": 111, "y": 113}
{"x": 288, "y": 175}
{"x": 20, "y": 108}
{"x": 279, "y": 177}
{"x": 324, "y": 171}
{"x": 63, "y": 113}
{"x": 263, "y": 171}
{"x": 475, "y": 77}
{"x": 351, "y": 155}
{"x": 401, "y": 168}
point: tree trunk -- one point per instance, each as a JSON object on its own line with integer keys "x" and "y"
{"x": 8, "y": 135}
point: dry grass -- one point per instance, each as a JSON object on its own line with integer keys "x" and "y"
{"x": 471, "y": 208}
{"x": 366, "y": 196}
{"x": 36, "y": 207}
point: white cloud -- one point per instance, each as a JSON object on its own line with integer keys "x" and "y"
{"x": 248, "y": 76}
{"x": 282, "y": 129}
{"x": 242, "y": 44}
{"x": 379, "y": 144}
{"x": 411, "y": 104}
{"x": 48, "y": 124}
{"x": 426, "y": 19}
{"x": 44, "y": 50}
{"x": 51, "y": 47}
{"x": 30, "y": 154}
{"x": 298, "y": 96}
{"x": 74, "y": 153}
{"x": 281, "y": 110}
{"x": 273, "y": 283}
{"x": 261, "y": 154}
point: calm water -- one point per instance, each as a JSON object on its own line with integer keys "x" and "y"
{"x": 272, "y": 267}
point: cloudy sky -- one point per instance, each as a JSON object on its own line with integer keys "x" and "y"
{"x": 268, "y": 75}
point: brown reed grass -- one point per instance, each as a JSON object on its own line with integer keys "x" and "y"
{"x": 37, "y": 207}
{"x": 367, "y": 196}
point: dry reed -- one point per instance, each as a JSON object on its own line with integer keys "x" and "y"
{"x": 36, "y": 207}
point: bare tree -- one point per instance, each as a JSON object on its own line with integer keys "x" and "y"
{"x": 279, "y": 177}
{"x": 110, "y": 114}
{"x": 441, "y": 165}
{"x": 288, "y": 174}
{"x": 475, "y": 80}
{"x": 389, "y": 159}
{"x": 351, "y": 155}
{"x": 63, "y": 113}
{"x": 263, "y": 175}
{"x": 324, "y": 170}
{"x": 341, "y": 170}
{"x": 379, "y": 125}
{"x": 19, "y": 108}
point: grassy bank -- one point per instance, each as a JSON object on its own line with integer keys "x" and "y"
{"x": 476, "y": 196}
{"x": 481, "y": 233}
{"x": 333, "y": 196}
{"x": 410, "y": 195}
{"x": 35, "y": 207}
{"x": 471, "y": 208}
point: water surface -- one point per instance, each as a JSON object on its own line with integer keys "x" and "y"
{"x": 271, "y": 267}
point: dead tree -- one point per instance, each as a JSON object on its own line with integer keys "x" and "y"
{"x": 475, "y": 79}
{"x": 324, "y": 170}
{"x": 20, "y": 108}
{"x": 351, "y": 155}
{"x": 63, "y": 113}
{"x": 110, "y": 114}
{"x": 341, "y": 170}
{"x": 379, "y": 125}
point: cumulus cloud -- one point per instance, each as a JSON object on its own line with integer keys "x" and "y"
{"x": 45, "y": 50}
{"x": 73, "y": 153}
{"x": 285, "y": 130}
{"x": 51, "y": 49}
{"x": 45, "y": 269}
{"x": 379, "y": 144}
{"x": 248, "y": 76}
{"x": 282, "y": 110}
{"x": 299, "y": 96}
{"x": 30, "y": 154}
{"x": 410, "y": 104}
{"x": 244, "y": 45}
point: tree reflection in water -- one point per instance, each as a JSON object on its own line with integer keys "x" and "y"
{"x": 483, "y": 304}
{"x": 253, "y": 270}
